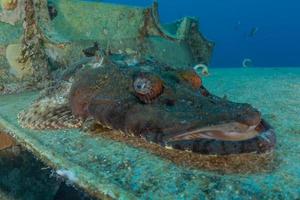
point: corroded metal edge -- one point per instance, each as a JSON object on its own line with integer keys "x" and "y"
{"x": 108, "y": 191}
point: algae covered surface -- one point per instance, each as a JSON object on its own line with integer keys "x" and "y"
{"x": 108, "y": 168}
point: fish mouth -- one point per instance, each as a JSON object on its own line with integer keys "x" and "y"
{"x": 232, "y": 131}
{"x": 225, "y": 139}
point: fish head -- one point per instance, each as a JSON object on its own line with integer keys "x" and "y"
{"x": 169, "y": 107}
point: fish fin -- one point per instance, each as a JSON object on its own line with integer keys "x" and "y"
{"x": 48, "y": 114}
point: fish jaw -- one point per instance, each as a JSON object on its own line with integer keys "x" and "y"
{"x": 233, "y": 131}
{"x": 263, "y": 142}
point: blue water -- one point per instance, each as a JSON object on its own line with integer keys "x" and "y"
{"x": 229, "y": 23}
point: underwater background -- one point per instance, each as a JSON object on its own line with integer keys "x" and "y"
{"x": 265, "y": 31}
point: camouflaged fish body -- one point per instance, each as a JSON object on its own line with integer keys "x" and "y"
{"x": 152, "y": 101}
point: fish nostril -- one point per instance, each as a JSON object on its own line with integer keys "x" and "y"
{"x": 250, "y": 117}
{"x": 170, "y": 102}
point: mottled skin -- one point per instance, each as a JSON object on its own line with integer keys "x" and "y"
{"x": 184, "y": 116}
{"x": 152, "y": 101}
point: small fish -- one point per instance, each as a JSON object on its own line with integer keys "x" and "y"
{"x": 253, "y": 32}
{"x": 91, "y": 51}
{"x": 237, "y": 26}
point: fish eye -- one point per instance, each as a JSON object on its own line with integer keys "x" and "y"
{"x": 142, "y": 86}
{"x": 147, "y": 88}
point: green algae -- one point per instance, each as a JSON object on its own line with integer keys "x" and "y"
{"x": 10, "y": 34}
{"x": 109, "y": 21}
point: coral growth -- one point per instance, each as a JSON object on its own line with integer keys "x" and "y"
{"x": 192, "y": 78}
{"x": 12, "y": 11}
{"x": 9, "y": 4}
{"x": 32, "y": 43}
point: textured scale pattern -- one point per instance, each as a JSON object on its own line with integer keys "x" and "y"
{"x": 50, "y": 111}
{"x": 48, "y": 114}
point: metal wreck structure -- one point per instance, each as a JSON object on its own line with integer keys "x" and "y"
{"x": 39, "y": 39}
{"x": 53, "y": 34}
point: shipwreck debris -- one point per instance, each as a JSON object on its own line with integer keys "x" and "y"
{"x": 32, "y": 44}
{"x": 12, "y": 11}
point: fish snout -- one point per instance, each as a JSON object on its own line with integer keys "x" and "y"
{"x": 249, "y": 116}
